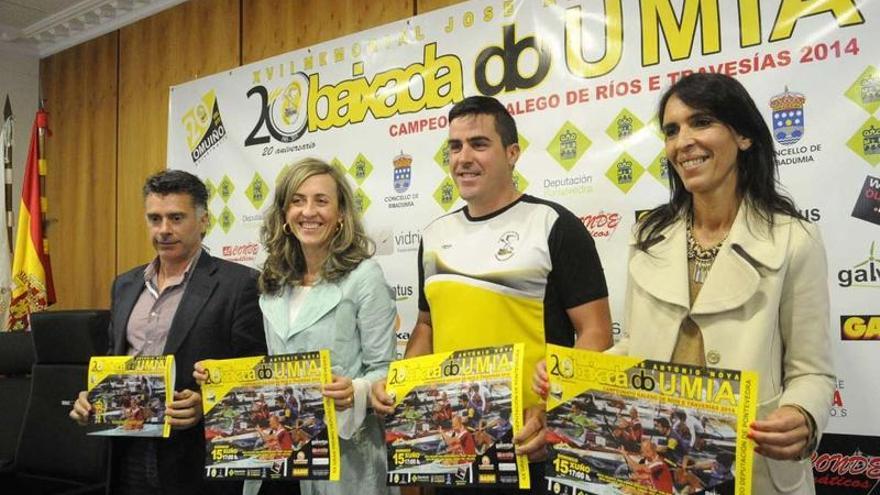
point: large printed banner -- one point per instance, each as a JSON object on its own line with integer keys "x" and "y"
{"x": 582, "y": 79}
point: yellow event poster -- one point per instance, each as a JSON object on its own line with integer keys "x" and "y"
{"x": 265, "y": 418}
{"x": 623, "y": 425}
{"x": 129, "y": 394}
{"x": 455, "y": 417}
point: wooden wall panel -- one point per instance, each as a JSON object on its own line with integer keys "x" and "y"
{"x": 79, "y": 86}
{"x": 191, "y": 40}
{"x": 423, "y": 6}
{"x": 271, "y": 27}
{"x": 109, "y": 104}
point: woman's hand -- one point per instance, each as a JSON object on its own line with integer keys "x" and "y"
{"x": 531, "y": 441}
{"x": 782, "y": 435}
{"x": 341, "y": 391}
{"x": 540, "y": 380}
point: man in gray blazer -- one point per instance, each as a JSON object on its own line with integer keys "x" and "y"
{"x": 189, "y": 304}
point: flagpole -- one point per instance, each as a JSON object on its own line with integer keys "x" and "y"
{"x": 7, "y": 175}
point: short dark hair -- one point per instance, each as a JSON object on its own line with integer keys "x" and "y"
{"x": 486, "y": 105}
{"x": 177, "y": 182}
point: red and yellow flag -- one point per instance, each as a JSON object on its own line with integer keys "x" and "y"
{"x": 32, "y": 288}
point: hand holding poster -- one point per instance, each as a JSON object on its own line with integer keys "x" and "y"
{"x": 129, "y": 394}
{"x": 455, "y": 417}
{"x": 623, "y": 425}
{"x": 265, "y": 418}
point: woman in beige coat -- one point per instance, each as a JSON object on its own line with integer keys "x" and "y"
{"x": 728, "y": 274}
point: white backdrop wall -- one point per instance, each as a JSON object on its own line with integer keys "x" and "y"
{"x": 583, "y": 79}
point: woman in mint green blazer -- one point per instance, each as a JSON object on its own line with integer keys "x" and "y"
{"x": 321, "y": 290}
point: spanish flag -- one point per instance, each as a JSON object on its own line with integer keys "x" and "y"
{"x": 32, "y": 288}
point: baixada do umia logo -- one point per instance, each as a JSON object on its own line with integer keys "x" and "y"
{"x": 284, "y": 114}
{"x": 204, "y": 126}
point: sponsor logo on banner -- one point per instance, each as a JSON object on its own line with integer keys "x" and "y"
{"x": 446, "y": 194}
{"x": 788, "y": 117}
{"x": 252, "y": 219}
{"x": 789, "y": 128}
{"x": 838, "y": 408}
{"x": 869, "y": 89}
{"x": 407, "y": 240}
{"x": 241, "y": 252}
{"x": 402, "y": 172}
{"x": 624, "y": 126}
{"x": 402, "y": 241}
{"x": 568, "y": 185}
{"x": 860, "y": 327}
{"x": 639, "y": 214}
{"x": 871, "y": 141}
{"x": 811, "y": 215}
{"x": 402, "y": 179}
{"x": 865, "y": 90}
{"x": 257, "y": 191}
{"x": 659, "y": 169}
{"x": 865, "y": 273}
{"x": 865, "y": 141}
{"x": 283, "y": 112}
{"x": 403, "y": 292}
{"x": 625, "y": 172}
{"x": 361, "y": 201}
{"x": 204, "y": 126}
{"x": 384, "y": 240}
{"x": 569, "y": 144}
{"x": 797, "y": 155}
{"x": 867, "y": 207}
{"x": 846, "y": 465}
{"x": 300, "y": 102}
{"x": 601, "y": 225}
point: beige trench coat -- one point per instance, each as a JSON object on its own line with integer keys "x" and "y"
{"x": 763, "y": 307}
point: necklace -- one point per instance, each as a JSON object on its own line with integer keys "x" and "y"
{"x": 703, "y": 258}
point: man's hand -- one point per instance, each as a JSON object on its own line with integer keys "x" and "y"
{"x": 383, "y": 404}
{"x": 81, "y": 409}
{"x": 530, "y": 441}
{"x": 341, "y": 391}
{"x": 782, "y": 435}
{"x": 200, "y": 374}
{"x": 540, "y": 380}
{"x": 186, "y": 409}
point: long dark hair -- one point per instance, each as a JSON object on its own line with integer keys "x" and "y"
{"x": 724, "y": 98}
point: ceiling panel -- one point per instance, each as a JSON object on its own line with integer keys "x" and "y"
{"x": 48, "y": 26}
{"x": 18, "y": 16}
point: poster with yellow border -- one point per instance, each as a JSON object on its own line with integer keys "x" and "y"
{"x": 623, "y": 425}
{"x": 455, "y": 417}
{"x": 128, "y": 395}
{"x": 265, "y": 418}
